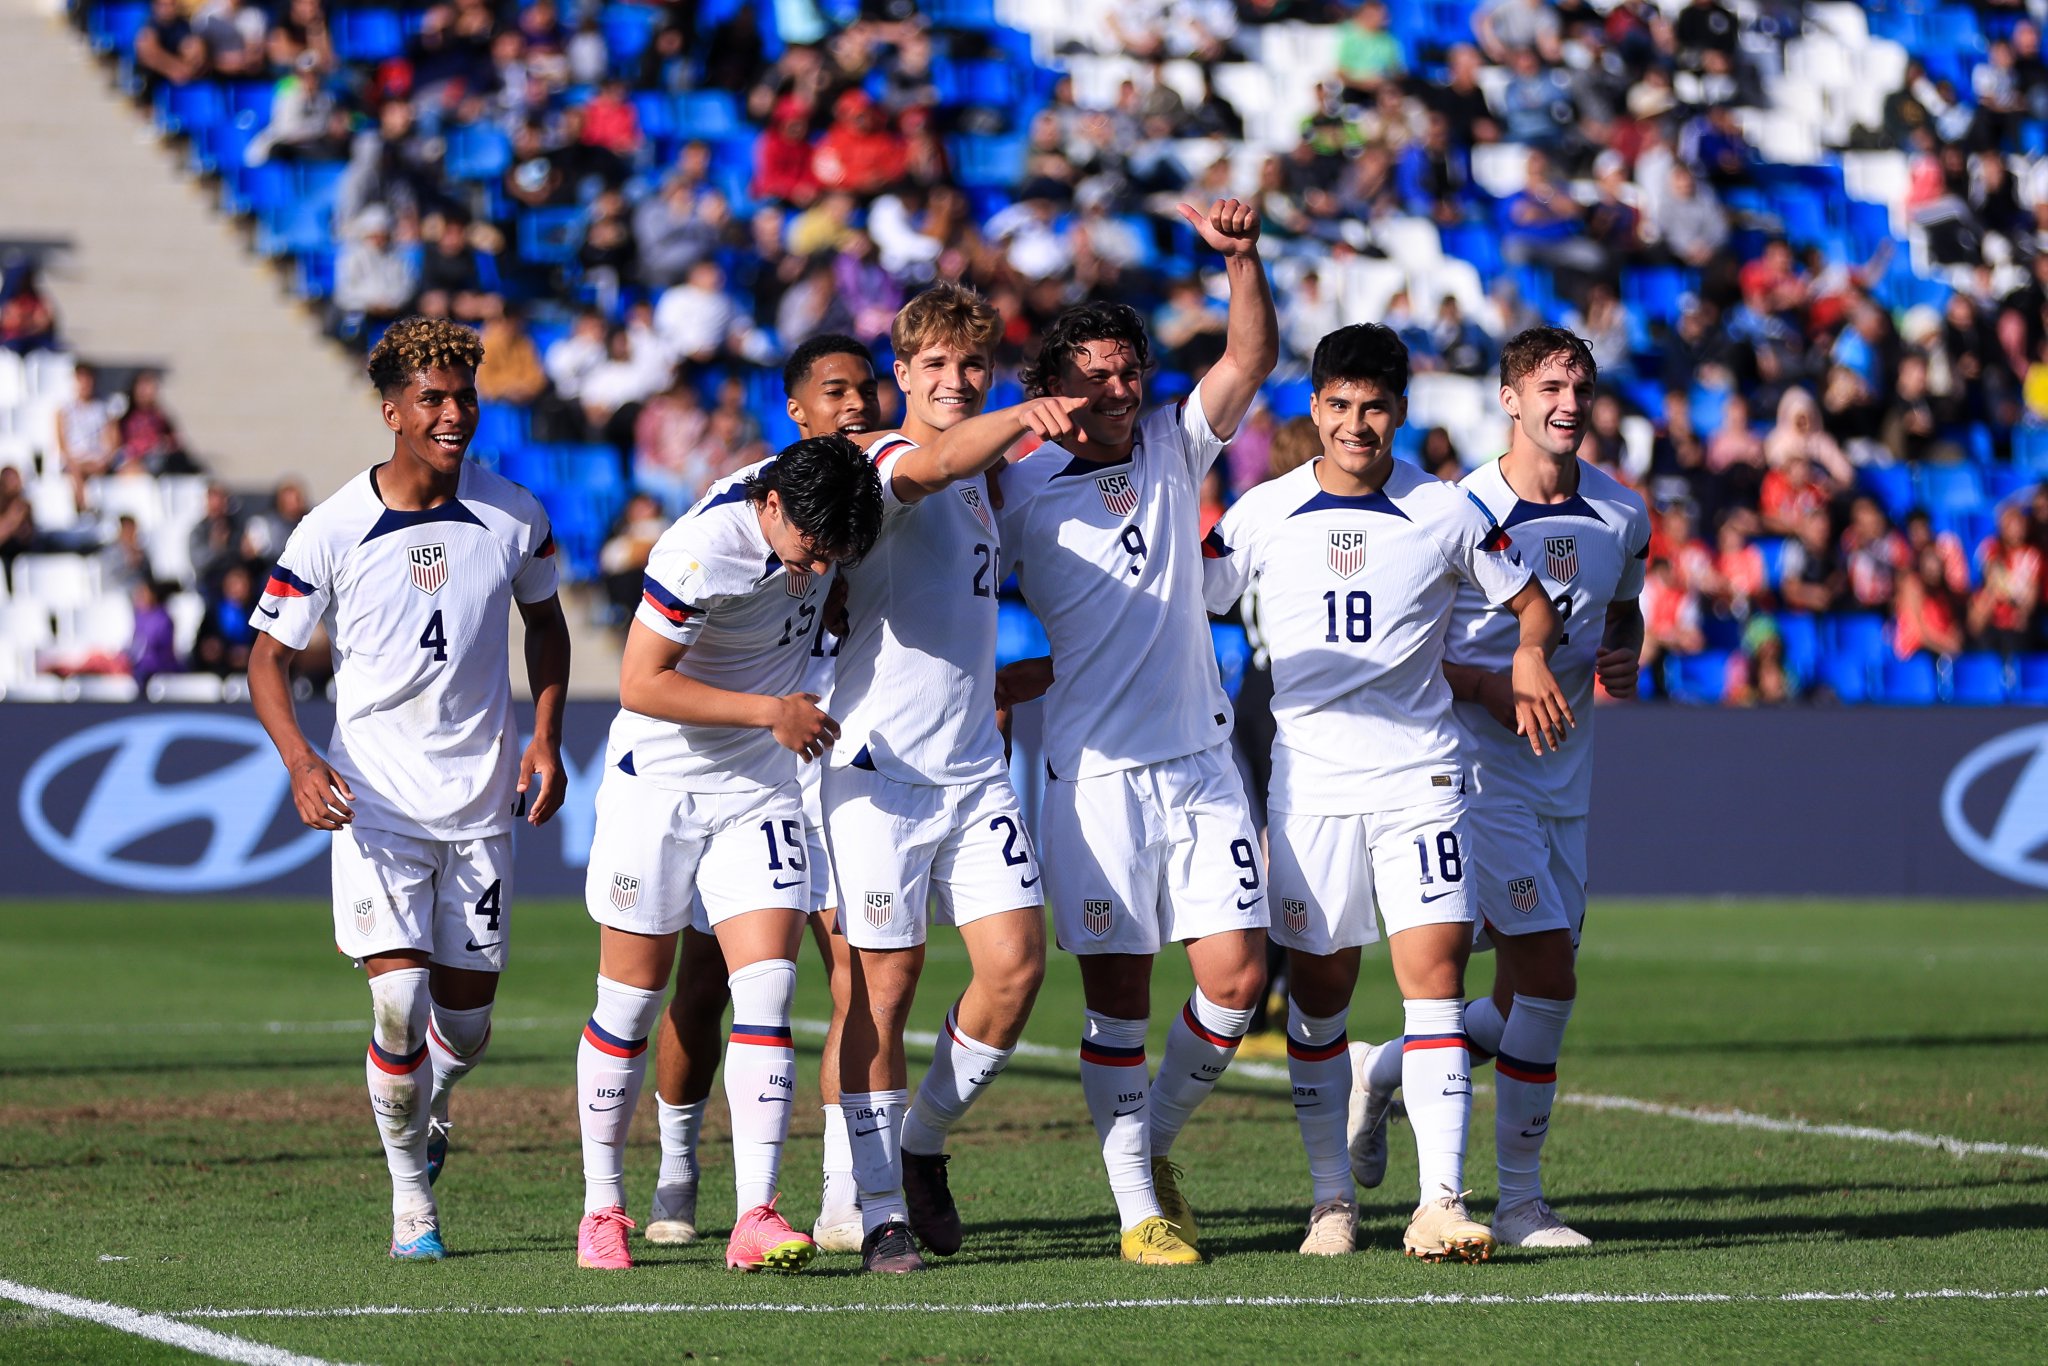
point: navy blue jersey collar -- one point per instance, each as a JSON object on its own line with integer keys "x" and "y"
{"x": 1574, "y": 506}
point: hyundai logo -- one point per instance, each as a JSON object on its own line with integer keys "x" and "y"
{"x": 2014, "y": 840}
{"x": 236, "y": 802}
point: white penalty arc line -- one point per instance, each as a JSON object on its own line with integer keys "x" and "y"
{"x": 1175, "y": 1302}
{"x": 1243, "y": 1071}
{"x": 156, "y": 1327}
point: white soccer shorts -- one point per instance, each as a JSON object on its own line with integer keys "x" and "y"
{"x": 657, "y": 849}
{"x": 1331, "y": 873}
{"x": 451, "y": 898}
{"x": 899, "y": 848}
{"x": 1531, "y": 871}
{"x": 1152, "y": 855}
{"x": 824, "y": 891}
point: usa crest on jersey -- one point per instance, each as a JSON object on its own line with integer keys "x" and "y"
{"x": 1293, "y": 909}
{"x": 429, "y": 567}
{"x": 1347, "y": 553}
{"x": 1522, "y": 894}
{"x": 1095, "y": 916}
{"x": 796, "y": 582}
{"x": 880, "y": 906}
{"x": 625, "y": 891}
{"x": 975, "y": 502}
{"x": 1118, "y": 494}
{"x": 1561, "y": 557}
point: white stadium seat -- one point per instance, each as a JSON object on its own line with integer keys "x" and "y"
{"x": 185, "y": 688}
{"x": 57, "y": 582}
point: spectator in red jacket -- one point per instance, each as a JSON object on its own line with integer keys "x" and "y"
{"x": 782, "y": 155}
{"x": 2002, "y": 611}
{"x": 860, "y": 154}
{"x": 610, "y": 121}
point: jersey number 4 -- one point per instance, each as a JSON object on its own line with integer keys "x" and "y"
{"x": 435, "y": 637}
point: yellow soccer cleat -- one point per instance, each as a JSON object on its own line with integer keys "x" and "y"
{"x": 1154, "y": 1243}
{"x": 1172, "y": 1204}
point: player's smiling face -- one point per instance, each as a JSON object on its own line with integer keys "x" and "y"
{"x": 1110, "y": 378}
{"x": 1551, "y": 406}
{"x": 434, "y": 417}
{"x": 839, "y": 395}
{"x": 1356, "y": 420}
{"x": 944, "y": 385}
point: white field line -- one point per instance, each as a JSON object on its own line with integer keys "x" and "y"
{"x": 1242, "y": 1071}
{"x": 1176, "y": 1302}
{"x": 156, "y": 1327}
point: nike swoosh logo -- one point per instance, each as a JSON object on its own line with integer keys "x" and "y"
{"x": 863, "y": 1133}
{"x": 784, "y": 886}
{"x": 1031, "y": 882}
{"x": 600, "y": 1109}
{"x": 1247, "y": 905}
{"x": 1438, "y": 897}
{"x": 980, "y": 1081}
{"x": 266, "y": 611}
{"x": 1453, "y": 1091}
{"x": 1119, "y": 1114}
{"x": 1534, "y": 1133}
{"x": 475, "y": 947}
{"x": 784, "y": 1100}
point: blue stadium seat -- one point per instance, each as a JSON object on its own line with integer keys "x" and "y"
{"x": 1911, "y": 681}
{"x": 975, "y": 82}
{"x": 628, "y": 29}
{"x": 1474, "y": 242}
{"x": 2031, "y": 685}
{"x": 184, "y": 110}
{"x": 1978, "y": 681}
{"x": 1772, "y": 551}
{"x": 1233, "y": 652}
{"x": 1951, "y": 488}
{"x": 1801, "y": 637}
{"x": 502, "y": 426}
{"x": 314, "y": 278}
{"x": 1700, "y": 678}
{"x": 975, "y": 14}
{"x": 480, "y": 151}
{"x": 713, "y": 116}
{"x": 112, "y": 28}
{"x": 370, "y": 34}
{"x": 1018, "y": 634}
{"x": 550, "y": 236}
{"x": 981, "y": 160}
{"x": 1856, "y": 651}
{"x": 1891, "y": 485}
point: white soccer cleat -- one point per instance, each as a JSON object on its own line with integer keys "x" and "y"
{"x": 674, "y": 1216}
{"x": 1332, "y": 1229}
{"x": 1442, "y": 1231}
{"x": 1365, "y": 1125}
{"x": 1533, "y": 1223}
{"x": 838, "y": 1230}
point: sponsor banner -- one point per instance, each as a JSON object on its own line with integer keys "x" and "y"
{"x": 100, "y": 800}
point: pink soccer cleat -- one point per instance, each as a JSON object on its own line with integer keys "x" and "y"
{"x": 762, "y": 1240}
{"x": 601, "y": 1240}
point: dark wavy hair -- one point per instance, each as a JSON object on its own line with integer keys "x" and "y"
{"x": 1073, "y": 329}
{"x": 1362, "y": 351}
{"x": 411, "y": 345}
{"x": 797, "y": 368}
{"x": 829, "y": 493}
{"x": 1527, "y": 351}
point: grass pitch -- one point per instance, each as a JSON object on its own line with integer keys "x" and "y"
{"x": 183, "y": 1132}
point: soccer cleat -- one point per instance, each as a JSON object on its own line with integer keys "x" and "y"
{"x": 1268, "y": 1046}
{"x": 838, "y": 1230}
{"x": 934, "y": 1218}
{"x": 1533, "y": 1223}
{"x": 1154, "y": 1243}
{"x": 1366, "y": 1123}
{"x": 601, "y": 1240}
{"x": 1442, "y": 1231}
{"x": 674, "y": 1216}
{"x": 417, "y": 1237}
{"x": 1173, "y": 1206}
{"x": 437, "y": 1148}
{"x": 889, "y": 1249}
{"x": 762, "y": 1240}
{"x": 1332, "y": 1229}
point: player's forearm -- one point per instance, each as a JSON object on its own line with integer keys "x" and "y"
{"x": 547, "y": 670}
{"x": 1252, "y": 335}
{"x": 1537, "y": 617}
{"x": 1624, "y": 629}
{"x": 1465, "y": 680}
{"x": 270, "y": 694}
{"x": 670, "y": 696}
{"x": 973, "y": 447}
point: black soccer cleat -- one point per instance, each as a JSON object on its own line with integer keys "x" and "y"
{"x": 888, "y": 1249}
{"x": 933, "y": 1215}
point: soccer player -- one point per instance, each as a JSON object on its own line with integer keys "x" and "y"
{"x": 830, "y": 385}
{"x": 1148, "y": 836}
{"x": 1359, "y": 556}
{"x": 700, "y": 800}
{"x": 1586, "y": 536}
{"x": 918, "y": 802}
{"x": 413, "y": 564}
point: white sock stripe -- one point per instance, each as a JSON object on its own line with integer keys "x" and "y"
{"x": 158, "y": 1328}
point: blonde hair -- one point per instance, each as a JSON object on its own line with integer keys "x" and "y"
{"x": 1295, "y": 443}
{"x": 414, "y": 344}
{"x": 949, "y": 315}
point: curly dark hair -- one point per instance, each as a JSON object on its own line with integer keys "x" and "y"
{"x": 797, "y": 368}
{"x": 1527, "y": 350}
{"x": 1362, "y": 351}
{"x": 1074, "y": 328}
{"x": 411, "y": 345}
{"x": 829, "y": 493}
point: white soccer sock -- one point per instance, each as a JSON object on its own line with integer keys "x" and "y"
{"x": 1113, "y": 1082}
{"x": 394, "y": 1069}
{"x": 1319, "y": 1066}
{"x": 961, "y": 1068}
{"x": 1436, "y": 1077}
{"x": 760, "y": 1076}
{"x": 456, "y": 1040}
{"x": 611, "y": 1064}
{"x": 1483, "y": 1027}
{"x": 680, "y": 1125}
{"x": 1525, "y": 1085}
{"x": 841, "y": 1192}
{"x": 1199, "y": 1047}
{"x": 873, "y": 1122}
{"x": 1384, "y": 1076}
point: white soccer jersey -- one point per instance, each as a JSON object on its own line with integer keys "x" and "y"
{"x": 1109, "y": 557}
{"x": 1587, "y": 551}
{"x": 417, "y": 604}
{"x": 714, "y": 585}
{"x": 915, "y": 691}
{"x": 1355, "y": 599}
